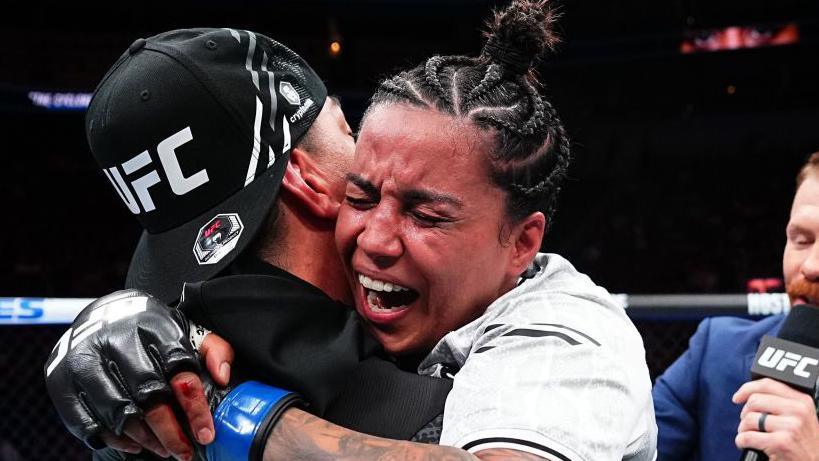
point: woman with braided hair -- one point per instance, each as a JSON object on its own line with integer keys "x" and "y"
{"x": 454, "y": 184}
{"x": 455, "y": 181}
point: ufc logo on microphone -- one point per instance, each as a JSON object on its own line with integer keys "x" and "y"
{"x": 180, "y": 185}
{"x": 107, "y": 313}
{"x": 780, "y": 360}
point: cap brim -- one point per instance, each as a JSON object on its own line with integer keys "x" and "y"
{"x": 163, "y": 262}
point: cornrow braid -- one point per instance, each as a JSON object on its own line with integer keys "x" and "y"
{"x": 562, "y": 160}
{"x": 535, "y": 120}
{"x": 529, "y": 150}
{"x": 433, "y": 73}
{"x": 533, "y": 191}
{"x": 500, "y": 123}
{"x": 491, "y": 78}
{"x": 400, "y": 88}
{"x": 433, "y": 80}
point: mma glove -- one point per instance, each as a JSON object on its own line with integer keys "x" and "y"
{"x": 118, "y": 358}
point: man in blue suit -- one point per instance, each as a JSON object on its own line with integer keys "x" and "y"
{"x": 698, "y": 399}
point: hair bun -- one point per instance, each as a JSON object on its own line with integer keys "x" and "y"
{"x": 520, "y": 34}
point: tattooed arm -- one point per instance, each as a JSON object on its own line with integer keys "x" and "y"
{"x": 301, "y": 436}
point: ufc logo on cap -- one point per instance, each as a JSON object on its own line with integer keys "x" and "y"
{"x": 180, "y": 185}
{"x": 780, "y": 360}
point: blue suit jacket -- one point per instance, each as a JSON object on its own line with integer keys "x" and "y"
{"x": 692, "y": 399}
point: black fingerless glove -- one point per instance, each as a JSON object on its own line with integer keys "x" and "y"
{"x": 117, "y": 357}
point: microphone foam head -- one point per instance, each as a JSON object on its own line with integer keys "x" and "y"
{"x": 802, "y": 325}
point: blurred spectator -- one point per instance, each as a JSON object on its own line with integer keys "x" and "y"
{"x": 736, "y": 37}
{"x": 765, "y": 285}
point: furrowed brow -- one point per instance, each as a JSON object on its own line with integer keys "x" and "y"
{"x": 424, "y": 196}
{"x": 366, "y": 186}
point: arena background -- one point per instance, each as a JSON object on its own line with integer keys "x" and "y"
{"x": 682, "y": 180}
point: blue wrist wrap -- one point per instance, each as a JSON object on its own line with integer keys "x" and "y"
{"x": 244, "y": 419}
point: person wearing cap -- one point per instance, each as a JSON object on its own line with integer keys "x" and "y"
{"x": 197, "y": 131}
{"x": 224, "y": 145}
{"x": 456, "y": 176}
{"x": 706, "y": 408}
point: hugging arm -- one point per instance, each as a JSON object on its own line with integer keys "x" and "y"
{"x": 115, "y": 376}
{"x": 300, "y": 435}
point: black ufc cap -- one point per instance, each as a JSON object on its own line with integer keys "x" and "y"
{"x": 193, "y": 128}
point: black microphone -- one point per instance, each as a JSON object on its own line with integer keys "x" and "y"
{"x": 792, "y": 358}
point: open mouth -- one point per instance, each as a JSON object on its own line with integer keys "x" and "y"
{"x": 385, "y": 297}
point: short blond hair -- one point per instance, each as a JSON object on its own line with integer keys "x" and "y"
{"x": 812, "y": 165}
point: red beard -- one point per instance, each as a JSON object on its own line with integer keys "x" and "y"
{"x": 801, "y": 288}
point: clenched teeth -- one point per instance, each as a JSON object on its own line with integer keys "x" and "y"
{"x": 379, "y": 285}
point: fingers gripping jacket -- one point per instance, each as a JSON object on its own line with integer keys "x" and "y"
{"x": 245, "y": 418}
{"x": 116, "y": 359}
